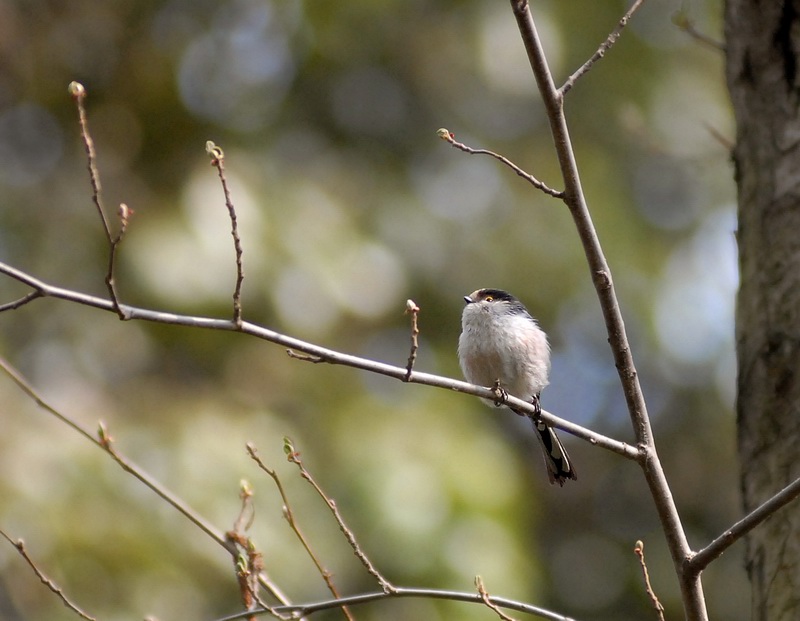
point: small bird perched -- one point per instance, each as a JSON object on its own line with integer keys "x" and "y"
{"x": 502, "y": 346}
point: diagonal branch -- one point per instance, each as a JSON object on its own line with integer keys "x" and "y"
{"x": 448, "y": 136}
{"x": 553, "y": 98}
{"x": 19, "y": 544}
{"x": 601, "y": 51}
{"x": 714, "y": 550}
{"x": 318, "y": 354}
{"x": 104, "y": 441}
{"x": 294, "y": 457}
{"x": 288, "y": 515}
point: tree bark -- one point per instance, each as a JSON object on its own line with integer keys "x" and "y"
{"x": 762, "y": 44}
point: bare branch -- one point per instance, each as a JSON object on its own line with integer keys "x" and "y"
{"x": 298, "y": 610}
{"x": 218, "y": 161}
{"x": 639, "y": 551}
{"x": 288, "y": 514}
{"x": 304, "y": 357}
{"x": 682, "y": 21}
{"x": 488, "y": 600}
{"x": 249, "y": 562}
{"x": 19, "y": 544}
{"x": 105, "y": 441}
{"x": 316, "y": 353}
{"x": 448, "y": 136}
{"x": 601, "y": 51}
{"x": 20, "y": 302}
{"x": 553, "y": 99}
{"x": 124, "y": 213}
{"x": 78, "y": 93}
{"x": 411, "y": 307}
{"x": 294, "y": 457}
{"x": 714, "y": 550}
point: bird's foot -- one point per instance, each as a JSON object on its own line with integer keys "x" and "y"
{"x": 500, "y": 393}
{"x": 536, "y": 406}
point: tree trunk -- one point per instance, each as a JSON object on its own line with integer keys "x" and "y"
{"x": 762, "y": 41}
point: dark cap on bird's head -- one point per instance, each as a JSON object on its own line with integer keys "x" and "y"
{"x": 489, "y": 295}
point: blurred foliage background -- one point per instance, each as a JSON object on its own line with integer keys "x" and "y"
{"x": 349, "y": 204}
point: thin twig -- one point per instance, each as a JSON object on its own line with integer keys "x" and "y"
{"x": 691, "y": 586}
{"x": 601, "y": 51}
{"x": 288, "y": 514}
{"x": 316, "y": 353}
{"x": 304, "y": 357}
{"x": 218, "y": 161}
{"x": 294, "y": 457}
{"x": 698, "y": 562}
{"x": 639, "y": 551}
{"x": 19, "y": 544}
{"x": 411, "y": 307}
{"x": 447, "y": 135}
{"x": 124, "y": 214}
{"x": 249, "y": 562}
{"x": 488, "y": 600}
{"x": 20, "y": 302}
{"x": 105, "y": 441}
{"x": 78, "y": 94}
{"x": 682, "y": 21}
{"x": 722, "y": 139}
{"x": 297, "y": 610}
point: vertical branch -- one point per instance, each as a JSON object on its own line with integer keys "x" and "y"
{"x": 125, "y": 213}
{"x": 294, "y": 457}
{"x": 691, "y": 587}
{"x": 638, "y": 549}
{"x": 411, "y": 307}
{"x": 288, "y": 514}
{"x": 78, "y": 93}
{"x": 218, "y": 161}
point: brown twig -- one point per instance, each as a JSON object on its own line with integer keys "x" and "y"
{"x": 448, "y": 136}
{"x": 249, "y": 562}
{"x": 78, "y": 94}
{"x": 691, "y": 586}
{"x": 487, "y": 600}
{"x": 218, "y": 161}
{"x": 105, "y": 441}
{"x": 639, "y": 550}
{"x": 682, "y": 21}
{"x": 19, "y": 544}
{"x": 411, "y": 307}
{"x": 124, "y": 214}
{"x": 698, "y": 562}
{"x": 288, "y": 514}
{"x": 304, "y": 357}
{"x": 30, "y": 297}
{"x": 294, "y": 457}
{"x": 601, "y": 51}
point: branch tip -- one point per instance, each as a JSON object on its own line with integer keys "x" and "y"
{"x": 76, "y": 90}
{"x": 411, "y": 307}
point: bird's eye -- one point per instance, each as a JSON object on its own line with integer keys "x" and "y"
{"x": 489, "y": 298}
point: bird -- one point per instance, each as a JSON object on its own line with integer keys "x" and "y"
{"x": 502, "y": 346}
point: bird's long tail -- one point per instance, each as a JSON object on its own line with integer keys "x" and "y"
{"x": 559, "y": 465}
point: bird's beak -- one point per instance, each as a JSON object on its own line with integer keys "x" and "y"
{"x": 468, "y": 300}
